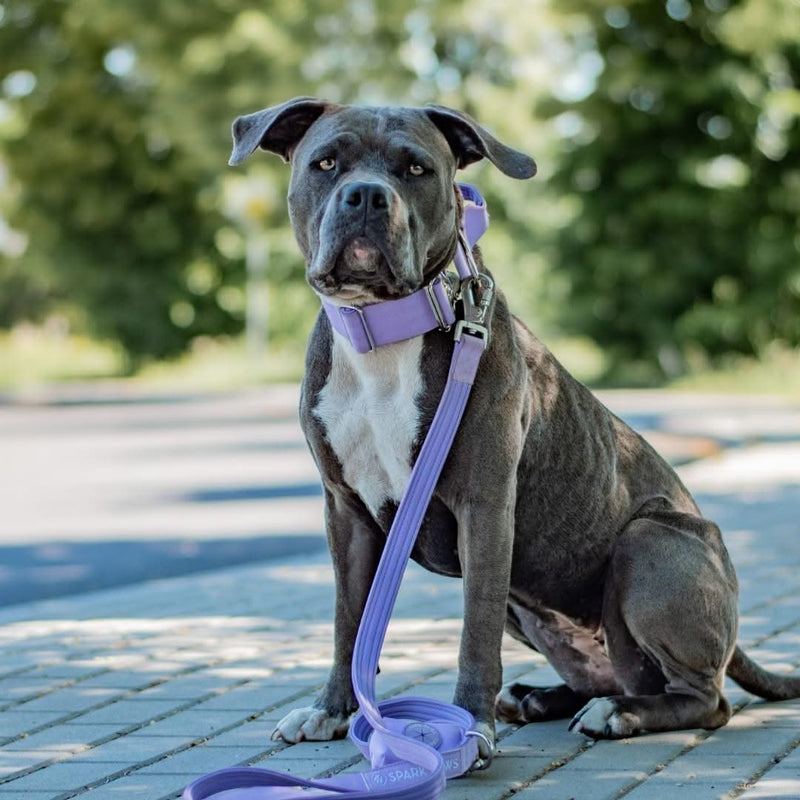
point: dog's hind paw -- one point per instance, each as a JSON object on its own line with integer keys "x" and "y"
{"x": 508, "y": 706}
{"x": 310, "y": 724}
{"x": 601, "y": 718}
{"x": 519, "y": 702}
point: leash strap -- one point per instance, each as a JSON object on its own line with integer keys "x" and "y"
{"x": 413, "y": 743}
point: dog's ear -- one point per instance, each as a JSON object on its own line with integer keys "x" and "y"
{"x": 471, "y": 142}
{"x": 277, "y": 129}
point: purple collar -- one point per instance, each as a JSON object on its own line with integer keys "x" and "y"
{"x": 370, "y": 326}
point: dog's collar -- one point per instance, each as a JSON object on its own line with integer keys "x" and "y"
{"x": 371, "y": 326}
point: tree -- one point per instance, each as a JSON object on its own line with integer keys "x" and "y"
{"x": 683, "y": 162}
{"x": 118, "y": 134}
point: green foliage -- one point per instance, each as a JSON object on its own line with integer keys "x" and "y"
{"x": 683, "y": 162}
{"x": 670, "y": 158}
{"x": 115, "y": 130}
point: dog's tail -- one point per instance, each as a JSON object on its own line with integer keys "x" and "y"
{"x": 759, "y": 681}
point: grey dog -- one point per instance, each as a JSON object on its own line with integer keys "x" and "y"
{"x": 568, "y": 530}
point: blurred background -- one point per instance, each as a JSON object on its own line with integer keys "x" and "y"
{"x": 660, "y": 241}
{"x": 659, "y": 246}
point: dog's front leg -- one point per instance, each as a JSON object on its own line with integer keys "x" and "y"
{"x": 485, "y": 542}
{"x": 356, "y": 545}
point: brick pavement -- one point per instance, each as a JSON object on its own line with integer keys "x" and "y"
{"x": 136, "y": 691}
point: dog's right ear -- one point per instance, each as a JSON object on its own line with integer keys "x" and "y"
{"x": 277, "y": 129}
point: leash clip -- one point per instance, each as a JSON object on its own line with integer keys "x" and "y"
{"x": 475, "y": 309}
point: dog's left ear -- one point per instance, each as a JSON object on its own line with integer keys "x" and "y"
{"x": 277, "y": 129}
{"x": 471, "y": 142}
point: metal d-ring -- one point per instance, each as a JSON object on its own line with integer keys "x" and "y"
{"x": 480, "y": 763}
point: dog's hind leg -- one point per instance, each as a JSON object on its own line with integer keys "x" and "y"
{"x": 670, "y": 620}
{"x": 519, "y": 702}
{"x": 576, "y": 653}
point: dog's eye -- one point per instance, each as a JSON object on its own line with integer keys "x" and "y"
{"x": 326, "y": 164}
{"x": 416, "y": 170}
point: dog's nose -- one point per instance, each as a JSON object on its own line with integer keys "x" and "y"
{"x": 366, "y": 195}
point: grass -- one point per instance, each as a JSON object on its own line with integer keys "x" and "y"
{"x": 31, "y": 356}
{"x": 221, "y": 364}
{"x": 35, "y": 357}
{"x": 777, "y": 372}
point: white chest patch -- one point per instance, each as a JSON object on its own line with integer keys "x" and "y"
{"x": 368, "y": 408}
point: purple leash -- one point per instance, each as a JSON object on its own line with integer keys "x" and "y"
{"x": 414, "y": 744}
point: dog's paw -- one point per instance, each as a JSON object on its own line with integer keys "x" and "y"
{"x": 602, "y": 718}
{"x": 508, "y": 706}
{"x": 310, "y": 724}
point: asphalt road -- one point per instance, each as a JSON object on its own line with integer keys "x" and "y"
{"x": 101, "y": 488}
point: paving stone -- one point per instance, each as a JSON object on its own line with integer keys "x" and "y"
{"x": 199, "y": 760}
{"x": 186, "y": 687}
{"x": 341, "y": 749}
{"x": 780, "y": 780}
{"x": 505, "y": 775}
{"x": 15, "y": 723}
{"x": 134, "y": 749}
{"x": 149, "y": 787}
{"x": 192, "y": 724}
{"x": 552, "y": 739}
{"x": 125, "y": 713}
{"x": 777, "y": 715}
{"x": 640, "y": 753}
{"x": 68, "y": 775}
{"x": 757, "y": 740}
{"x": 570, "y": 783}
{"x": 302, "y": 767}
{"x": 67, "y": 738}
{"x": 253, "y": 699}
{"x": 66, "y": 701}
{"x": 707, "y": 775}
{"x": 21, "y": 760}
{"x": 254, "y": 733}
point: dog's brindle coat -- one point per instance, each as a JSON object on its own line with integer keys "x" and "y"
{"x": 567, "y": 528}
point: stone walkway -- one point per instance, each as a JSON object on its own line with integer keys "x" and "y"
{"x": 135, "y": 691}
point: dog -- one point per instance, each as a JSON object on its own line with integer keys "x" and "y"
{"x": 569, "y": 531}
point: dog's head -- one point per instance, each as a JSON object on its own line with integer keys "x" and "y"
{"x": 372, "y": 199}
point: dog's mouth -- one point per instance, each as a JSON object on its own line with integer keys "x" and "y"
{"x": 360, "y": 257}
{"x": 360, "y": 274}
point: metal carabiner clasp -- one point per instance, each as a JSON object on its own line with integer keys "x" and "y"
{"x": 476, "y": 306}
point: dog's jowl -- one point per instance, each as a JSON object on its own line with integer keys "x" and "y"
{"x": 568, "y": 530}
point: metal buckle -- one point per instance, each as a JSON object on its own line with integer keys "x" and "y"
{"x": 470, "y": 327}
{"x": 434, "y": 303}
{"x": 367, "y": 331}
